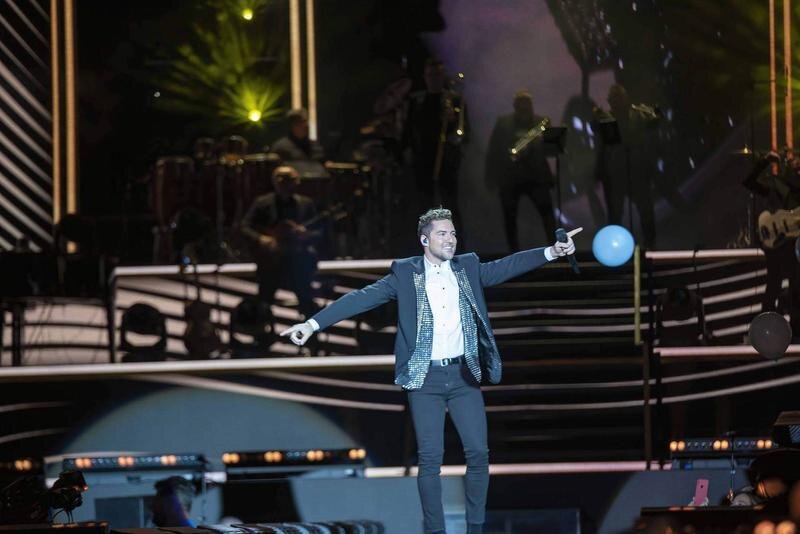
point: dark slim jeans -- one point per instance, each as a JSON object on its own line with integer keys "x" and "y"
{"x": 452, "y": 388}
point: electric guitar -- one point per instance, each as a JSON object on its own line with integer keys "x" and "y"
{"x": 775, "y": 227}
{"x": 284, "y": 235}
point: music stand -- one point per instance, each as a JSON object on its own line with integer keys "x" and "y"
{"x": 607, "y": 130}
{"x": 557, "y": 137}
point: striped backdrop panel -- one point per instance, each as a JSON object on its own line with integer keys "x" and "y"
{"x": 25, "y": 124}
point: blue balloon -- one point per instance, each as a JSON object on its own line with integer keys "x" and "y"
{"x": 612, "y": 245}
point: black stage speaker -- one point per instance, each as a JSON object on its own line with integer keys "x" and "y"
{"x": 135, "y": 510}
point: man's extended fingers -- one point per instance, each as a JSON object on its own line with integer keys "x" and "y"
{"x": 290, "y": 330}
{"x": 575, "y": 231}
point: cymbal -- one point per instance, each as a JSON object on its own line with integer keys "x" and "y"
{"x": 748, "y": 151}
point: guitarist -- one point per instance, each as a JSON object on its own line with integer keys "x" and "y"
{"x": 780, "y": 191}
{"x": 284, "y": 250}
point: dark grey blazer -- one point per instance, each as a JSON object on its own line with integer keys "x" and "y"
{"x": 399, "y": 285}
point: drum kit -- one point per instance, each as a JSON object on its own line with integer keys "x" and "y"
{"x": 216, "y": 186}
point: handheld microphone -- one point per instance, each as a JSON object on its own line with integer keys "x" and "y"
{"x": 561, "y": 237}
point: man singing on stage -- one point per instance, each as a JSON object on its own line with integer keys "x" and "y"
{"x": 444, "y": 347}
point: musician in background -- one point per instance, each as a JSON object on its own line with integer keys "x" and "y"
{"x": 527, "y": 174}
{"x": 283, "y": 248}
{"x": 781, "y": 191}
{"x": 296, "y": 145}
{"x": 435, "y": 160}
{"x": 626, "y": 163}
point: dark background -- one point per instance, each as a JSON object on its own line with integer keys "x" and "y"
{"x": 703, "y": 64}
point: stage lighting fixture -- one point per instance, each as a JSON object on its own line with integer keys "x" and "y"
{"x": 144, "y": 320}
{"x": 719, "y": 447}
{"x": 247, "y": 14}
{"x": 786, "y": 430}
{"x": 19, "y": 466}
{"x": 254, "y": 115}
{"x": 305, "y": 457}
{"x": 134, "y": 462}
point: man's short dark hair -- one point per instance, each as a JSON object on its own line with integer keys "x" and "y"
{"x": 523, "y": 94}
{"x": 285, "y": 171}
{"x": 183, "y": 489}
{"x": 426, "y": 219}
{"x": 293, "y": 116}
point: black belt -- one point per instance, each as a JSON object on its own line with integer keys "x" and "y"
{"x": 447, "y": 361}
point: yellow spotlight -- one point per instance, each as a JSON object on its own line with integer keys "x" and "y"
{"x": 681, "y": 445}
{"x": 760, "y": 444}
{"x": 768, "y": 444}
{"x": 673, "y": 446}
{"x": 717, "y": 444}
{"x": 247, "y": 14}
{"x": 254, "y": 115}
{"x": 724, "y": 445}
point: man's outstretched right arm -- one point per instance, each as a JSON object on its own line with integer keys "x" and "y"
{"x": 348, "y": 305}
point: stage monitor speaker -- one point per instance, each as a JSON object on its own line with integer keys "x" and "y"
{"x": 258, "y": 501}
{"x": 124, "y": 511}
{"x": 553, "y": 521}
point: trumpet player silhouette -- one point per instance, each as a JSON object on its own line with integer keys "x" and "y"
{"x": 435, "y": 129}
{"x": 626, "y": 159}
{"x": 524, "y": 174}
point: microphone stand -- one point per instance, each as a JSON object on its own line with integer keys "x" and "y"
{"x": 556, "y": 135}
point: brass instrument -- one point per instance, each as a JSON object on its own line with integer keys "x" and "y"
{"x": 525, "y": 141}
{"x": 449, "y": 109}
{"x": 646, "y": 111}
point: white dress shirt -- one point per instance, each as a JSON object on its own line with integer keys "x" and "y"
{"x": 441, "y": 288}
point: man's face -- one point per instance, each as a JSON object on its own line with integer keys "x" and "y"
{"x": 434, "y": 78}
{"x": 299, "y": 129}
{"x": 442, "y": 240}
{"x": 285, "y": 184}
{"x": 523, "y": 109}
